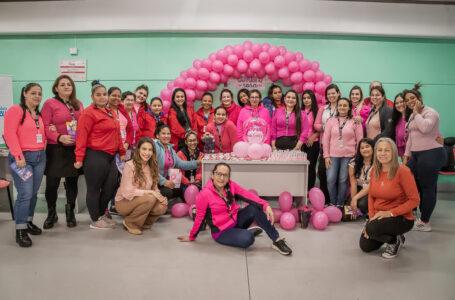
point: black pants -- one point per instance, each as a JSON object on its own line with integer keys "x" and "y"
{"x": 101, "y": 178}
{"x": 384, "y": 231}
{"x": 286, "y": 142}
{"x": 312, "y": 153}
{"x": 425, "y": 165}
{"x": 172, "y": 195}
{"x": 52, "y": 184}
{"x": 322, "y": 176}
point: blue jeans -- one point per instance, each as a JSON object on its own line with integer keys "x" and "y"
{"x": 337, "y": 180}
{"x": 240, "y": 236}
{"x": 24, "y": 207}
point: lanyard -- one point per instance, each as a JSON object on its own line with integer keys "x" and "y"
{"x": 226, "y": 201}
{"x": 340, "y": 127}
{"x": 365, "y": 172}
{"x": 34, "y": 119}
{"x": 287, "y": 120}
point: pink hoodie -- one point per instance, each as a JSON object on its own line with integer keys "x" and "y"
{"x": 210, "y": 205}
{"x": 246, "y": 113}
{"x": 333, "y": 146}
{"x": 279, "y": 128}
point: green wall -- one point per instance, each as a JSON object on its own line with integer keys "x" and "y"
{"x": 127, "y": 60}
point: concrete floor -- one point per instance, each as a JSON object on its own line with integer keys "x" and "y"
{"x": 87, "y": 264}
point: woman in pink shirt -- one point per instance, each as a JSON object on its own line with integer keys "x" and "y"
{"x": 311, "y": 147}
{"x": 138, "y": 199}
{"x": 400, "y": 116}
{"x": 227, "y": 101}
{"x": 289, "y": 129}
{"x": 253, "y": 110}
{"x": 62, "y": 113}
{"x": 341, "y": 136}
{"x": 222, "y": 132}
{"x": 26, "y": 139}
{"x": 424, "y": 155}
{"x": 360, "y": 110}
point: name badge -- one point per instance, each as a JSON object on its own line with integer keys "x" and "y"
{"x": 39, "y": 138}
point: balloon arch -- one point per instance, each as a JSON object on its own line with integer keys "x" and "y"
{"x": 250, "y": 60}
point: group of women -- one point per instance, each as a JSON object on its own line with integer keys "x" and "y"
{"x": 65, "y": 139}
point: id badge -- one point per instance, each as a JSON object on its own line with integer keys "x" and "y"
{"x": 39, "y": 138}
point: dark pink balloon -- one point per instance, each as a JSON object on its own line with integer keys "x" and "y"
{"x": 287, "y": 81}
{"x": 319, "y": 87}
{"x": 222, "y": 55}
{"x": 264, "y": 57}
{"x": 192, "y": 72}
{"x": 279, "y": 61}
{"x": 288, "y": 57}
{"x": 260, "y": 73}
{"x": 207, "y": 63}
{"x": 197, "y": 63}
{"x": 293, "y": 66}
{"x": 270, "y": 68}
{"x": 224, "y": 78}
{"x": 211, "y": 86}
{"x": 238, "y": 50}
{"x": 217, "y": 66}
{"x": 282, "y": 50}
{"x": 274, "y": 77}
{"x": 298, "y": 87}
{"x": 277, "y": 214}
{"x": 179, "y": 82}
{"x": 328, "y": 79}
{"x": 309, "y": 75}
{"x": 314, "y": 66}
{"x": 255, "y": 65}
{"x": 248, "y": 56}
{"x": 190, "y": 95}
{"x": 265, "y": 47}
{"x": 304, "y": 65}
{"x": 298, "y": 56}
{"x": 247, "y": 44}
{"x": 319, "y": 76}
{"x": 190, "y": 83}
{"x": 228, "y": 70}
{"x": 166, "y": 94}
{"x": 212, "y": 57}
{"x": 256, "y": 48}
{"x": 236, "y": 74}
{"x": 232, "y": 60}
{"x": 249, "y": 73}
{"x": 296, "y": 77}
{"x": 203, "y": 73}
{"x": 273, "y": 52}
{"x": 283, "y": 72}
{"x": 214, "y": 77}
{"x": 184, "y": 74}
{"x": 242, "y": 66}
{"x": 308, "y": 86}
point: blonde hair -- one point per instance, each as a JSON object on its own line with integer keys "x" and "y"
{"x": 394, "y": 162}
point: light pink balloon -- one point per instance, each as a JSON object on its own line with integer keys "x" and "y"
{"x": 298, "y": 56}
{"x": 190, "y": 194}
{"x": 211, "y": 86}
{"x": 207, "y": 63}
{"x": 317, "y": 198}
{"x": 248, "y": 56}
{"x": 264, "y": 57}
{"x": 238, "y": 50}
{"x": 279, "y": 61}
{"x": 190, "y": 83}
{"x": 190, "y": 95}
{"x": 267, "y": 150}
{"x": 229, "y": 49}
{"x": 241, "y": 149}
{"x": 319, "y": 87}
{"x": 296, "y": 77}
{"x": 192, "y": 72}
{"x": 255, "y": 151}
{"x": 179, "y": 82}
{"x": 334, "y": 213}
{"x": 170, "y": 85}
{"x": 184, "y": 74}
{"x": 273, "y": 52}
{"x": 288, "y": 57}
{"x": 314, "y": 66}
{"x": 319, "y": 75}
{"x": 328, "y": 79}
{"x": 309, "y": 75}
{"x": 222, "y": 55}
{"x": 212, "y": 57}
{"x": 228, "y": 70}
{"x": 304, "y": 65}
{"x": 179, "y": 210}
{"x": 242, "y": 66}
{"x": 308, "y": 86}
{"x": 232, "y": 60}
{"x": 270, "y": 68}
{"x": 285, "y": 201}
{"x": 320, "y": 220}
{"x": 277, "y": 214}
{"x": 287, "y": 221}
{"x": 282, "y": 50}
{"x": 283, "y": 72}
{"x": 166, "y": 105}
{"x": 256, "y": 49}
{"x": 265, "y": 47}
{"x": 293, "y": 66}
{"x": 197, "y": 63}
{"x": 203, "y": 73}
{"x": 287, "y": 81}
{"x": 247, "y": 44}
{"x": 298, "y": 87}
{"x": 217, "y": 66}
{"x": 255, "y": 65}
{"x": 214, "y": 77}
{"x": 166, "y": 94}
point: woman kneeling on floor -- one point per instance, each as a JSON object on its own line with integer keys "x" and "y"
{"x": 138, "y": 199}
{"x": 229, "y": 224}
{"x": 392, "y": 197}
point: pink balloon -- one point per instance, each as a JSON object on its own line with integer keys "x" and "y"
{"x": 232, "y": 60}
{"x": 201, "y": 85}
{"x": 215, "y": 77}
{"x": 228, "y": 70}
{"x": 170, "y": 85}
{"x": 265, "y": 47}
{"x": 274, "y": 77}
{"x": 298, "y": 87}
{"x": 269, "y": 68}
{"x": 308, "y": 86}
{"x": 222, "y": 55}
{"x": 298, "y": 56}
{"x": 288, "y": 57}
{"x": 217, "y": 66}
{"x": 212, "y": 57}
{"x": 320, "y": 220}
{"x": 224, "y": 78}
{"x": 308, "y": 75}
{"x": 190, "y": 83}
{"x": 260, "y": 73}
{"x": 241, "y": 149}
{"x": 319, "y": 87}
{"x": 264, "y": 57}
{"x": 200, "y": 93}
{"x": 293, "y": 66}
{"x": 229, "y": 49}
{"x": 255, "y": 65}
{"x": 267, "y": 150}
{"x": 273, "y": 52}
{"x": 283, "y": 72}
{"x": 166, "y": 94}
{"x": 333, "y": 213}
{"x": 190, "y": 95}
{"x": 319, "y": 75}
{"x": 238, "y": 50}
{"x": 247, "y": 44}
{"x": 287, "y": 81}
{"x": 295, "y": 213}
{"x": 166, "y": 105}
{"x": 179, "y": 210}
{"x": 207, "y": 63}
{"x": 248, "y": 55}
{"x": 314, "y": 66}
{"x": 184, "y": 74}
{"x": 236, "y": 74}
{"x": 317, "y": 198}
{"x": 304, "y": 65}
{"x": 256, "y": 49}
{"x": 296, "y": 77}
{"x": 192, "y": 72}
{"x": 277, "y": 214}
{"x": 328, "y": 79}
{"x": 255, "y": 151}
{"x": 203, "y": 73}
{"x": 249, "y": 73}
{"x": 287, "y": 221}
{"x": 190, "y": 194}
{"x": 197, "y": 63}
{"x": 242, "y": 66}
{"x": 285, "y": 201}
{"x": 279, "y": 61}
{"x": 253, "y": 191}
{"x": 282, "y": 50}
{"x": 179, "y": 82}
{"x": 211, "y": 86}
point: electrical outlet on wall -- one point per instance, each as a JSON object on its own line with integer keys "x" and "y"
{"x": 73, "y": 51}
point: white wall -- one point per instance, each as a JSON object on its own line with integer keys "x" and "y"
{"x": 294, "y": 16}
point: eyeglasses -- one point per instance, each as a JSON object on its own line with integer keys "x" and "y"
{"x": 221, "y": 175}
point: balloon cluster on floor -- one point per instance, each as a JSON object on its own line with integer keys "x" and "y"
{"x": 180, "y": 210}
{"x": 251, "y": 60}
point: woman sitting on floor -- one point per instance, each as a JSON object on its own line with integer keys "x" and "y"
{"x": 392, "y": 197}
{"x": 138, "y": 199}
{"x": 216, "y": 202}
{"x": 190, "y": 152}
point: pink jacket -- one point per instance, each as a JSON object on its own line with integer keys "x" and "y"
{"x": 333, "y": 146}
{"x": 423, "y": 129}
{"x": 22, "y": 137}
{"x": 364, "y": 112}
{"x": 248, "y": 112}
{"x": 55, "y": 112}
{"x": 228, "y": 136}
{"x": 223, "y": 216}
{"x": 279, "y": 128}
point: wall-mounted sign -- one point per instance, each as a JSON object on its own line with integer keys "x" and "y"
{"x": 74, "y": 68}
{"x": 250, "y": 83}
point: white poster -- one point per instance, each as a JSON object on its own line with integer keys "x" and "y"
{"x": 250, "y": 83}
{"x": 6, "y": 100}
{"x": 74, "y": 68}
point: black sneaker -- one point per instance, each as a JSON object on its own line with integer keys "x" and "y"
{"x": 281, "y": 246}
{"x": 391, "y": 250}
{"x": 256, "y": 230}
{"x": 22, "y": 238}
{"x": 33, "y": 229}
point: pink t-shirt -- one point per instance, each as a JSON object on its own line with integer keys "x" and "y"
{"x": 344, "y": 145}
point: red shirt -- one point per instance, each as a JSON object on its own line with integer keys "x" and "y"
{"x": 147, "y": 124}
{"x": 177, "y": 131}
{"x": 202, "y": 122}
{"x": 98, "y": 129}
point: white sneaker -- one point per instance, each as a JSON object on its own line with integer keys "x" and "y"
{"x": 422, "y": 226}
{"x": 100, "y": 224}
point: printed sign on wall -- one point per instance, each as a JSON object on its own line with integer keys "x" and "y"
{"x": 74, "y": 68}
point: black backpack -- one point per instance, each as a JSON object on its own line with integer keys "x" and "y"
{"x": 448, "y": 147}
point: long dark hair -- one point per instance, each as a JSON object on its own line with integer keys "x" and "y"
{"x": 314, "y": 104}
{"x": 349, "y": 116}
{"x": 139, "y": 177}
{"x": 229, "y": 195}
{"x": 270, "y": 93}
{"x": 72, "y": 98}
{"x": 245, "y": 91}
{"x": 182, "y": 115}
{"x": 358, "y": 160}
{"x": 22, "y": 104}
{"x": 297, "y": 112}
{"x": 396, "y": 115}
